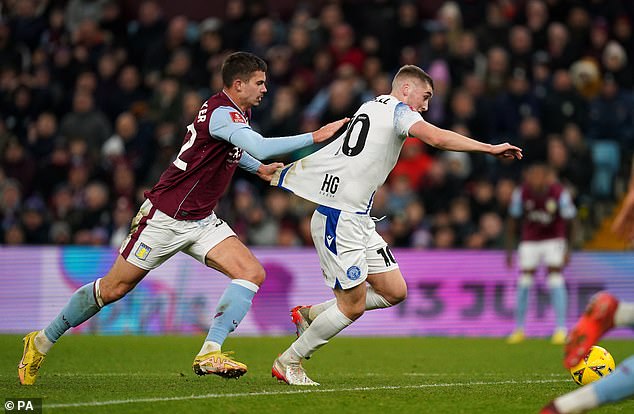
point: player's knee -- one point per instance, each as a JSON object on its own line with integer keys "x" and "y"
{"x": 555, "y": 280}
{"x": 395, "y": 296}
{"x": 353, "y": 311}
{"x": 398, "y": 297}
{"x": 112, "y": 292}
{"x": 525, "y": 280}
{"x": 254, "y": 273}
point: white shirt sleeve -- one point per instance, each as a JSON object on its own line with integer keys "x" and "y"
{"x": 404, "y": 118}
{"x": 567, "y": 208}
{"x": 515, "y": 206}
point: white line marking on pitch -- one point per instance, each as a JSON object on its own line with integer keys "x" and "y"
{"x": 296, "y": 391}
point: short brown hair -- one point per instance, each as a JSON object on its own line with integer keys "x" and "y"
{"x": 413, "y": 71}
{"x": 241, "y": 65}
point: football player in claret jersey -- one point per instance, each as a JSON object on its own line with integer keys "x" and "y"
{"x": 178, "y": 216}
{"x": 603, "y": 313}
{"x": 342, "y": 178}
{"x": 545, "y": 210}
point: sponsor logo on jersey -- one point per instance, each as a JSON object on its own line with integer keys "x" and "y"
{"x": 143, "y": 251}
{"x": 329, "y": 239}
{"x": 353, "y": 273}
{"x": 237, "y": 118}
{"x": 551, "y": 205}
{"x": 330, "y": 185}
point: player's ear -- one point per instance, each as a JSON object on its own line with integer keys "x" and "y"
{"x": 238, "y": 84}
{"x": 405, "y": 88}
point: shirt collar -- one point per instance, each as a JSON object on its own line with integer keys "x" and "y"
{"x": 234, "y": 103}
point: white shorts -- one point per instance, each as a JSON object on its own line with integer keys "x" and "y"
{"x": 551, "y": 252}
{"x": 349, "y": 247}
{"x": 155, "y": 237}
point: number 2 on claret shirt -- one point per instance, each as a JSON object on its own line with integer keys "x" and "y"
{"x": 187, "y": 145}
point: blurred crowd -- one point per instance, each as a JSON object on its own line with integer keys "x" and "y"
{"x": 94, "y": 105}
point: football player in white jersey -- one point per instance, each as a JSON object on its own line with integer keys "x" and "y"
{"x": 342, "y": 178}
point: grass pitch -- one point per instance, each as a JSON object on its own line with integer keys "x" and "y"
{"x": 106, "y": 374}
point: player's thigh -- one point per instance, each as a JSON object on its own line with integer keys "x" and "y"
{"x": 340, "y": 240}
{"x": 554, "y": 253}
{"x": 209, "y": 233}
{"x": 383, "y": 271}
{"x": 231, "y": 257}
{"x": 391, "y": 285}
{"x": 529, "y": 255}
{"x": 154, "y": 237}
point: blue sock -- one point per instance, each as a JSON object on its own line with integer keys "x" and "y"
{"x": 558, "y": 297}
{"x": 81, "y": 307}
{"x": 232, "y": 307}
{"x": 523, "y": 287}
{"x": 618, "y": 385}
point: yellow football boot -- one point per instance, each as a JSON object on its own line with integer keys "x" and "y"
{"x": 516, "y": 337}
{"x": 31, "y": 360}
{"x": 218, "y": 363}
{"x": 559, "y": 336}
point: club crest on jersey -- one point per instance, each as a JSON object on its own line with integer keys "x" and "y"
{"x": 237, "y": 118}
{"x": 234, "y": 155}
{"x": 353, "y": 273}
{"x": 142, "y": 251}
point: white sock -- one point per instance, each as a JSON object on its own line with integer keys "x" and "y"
{"x": 375, "y": 301}
{"x": 578, "y": 401}
{"x": 372, "y": 301}
{"x": 624, "y": 315}
{"x": 328, "y": 324}
{"x": 317, "y": 309}
{"x": 42, "y": 343}
{"x": 209, "y": 346}
{"x": 290, "y": 356}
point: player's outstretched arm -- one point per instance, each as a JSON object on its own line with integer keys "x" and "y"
{"x": 263, "y": 148}
{"x": 266, "y": 171}
{"x": 329, "y": 130}
{"x": 452, "y": 141}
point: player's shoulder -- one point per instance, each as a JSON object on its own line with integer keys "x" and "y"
{"x": 228, "y": 114}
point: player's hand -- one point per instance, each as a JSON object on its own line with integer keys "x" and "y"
{"x": 506, "y": 151}
{"x": 266, "y": 171}
{"x": 329, "y": 130}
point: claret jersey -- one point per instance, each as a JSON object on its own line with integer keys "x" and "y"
{"x": 346, "y": 173}
{"x": 190, "y": 187}
{"x": 543, "y": 214}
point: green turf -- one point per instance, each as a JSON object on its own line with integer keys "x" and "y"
{"x": 358, "y": 375}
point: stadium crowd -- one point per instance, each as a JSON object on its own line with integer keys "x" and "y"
{"x": 94, "y": 105}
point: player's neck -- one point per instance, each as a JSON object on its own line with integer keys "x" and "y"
{"x": 398, "y": 96}
{"x": 234, "y": 99}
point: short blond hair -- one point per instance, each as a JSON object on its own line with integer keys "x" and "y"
{"x": 412, "y": 71}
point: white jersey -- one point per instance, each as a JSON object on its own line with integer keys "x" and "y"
{"x": 346, "y": 173}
